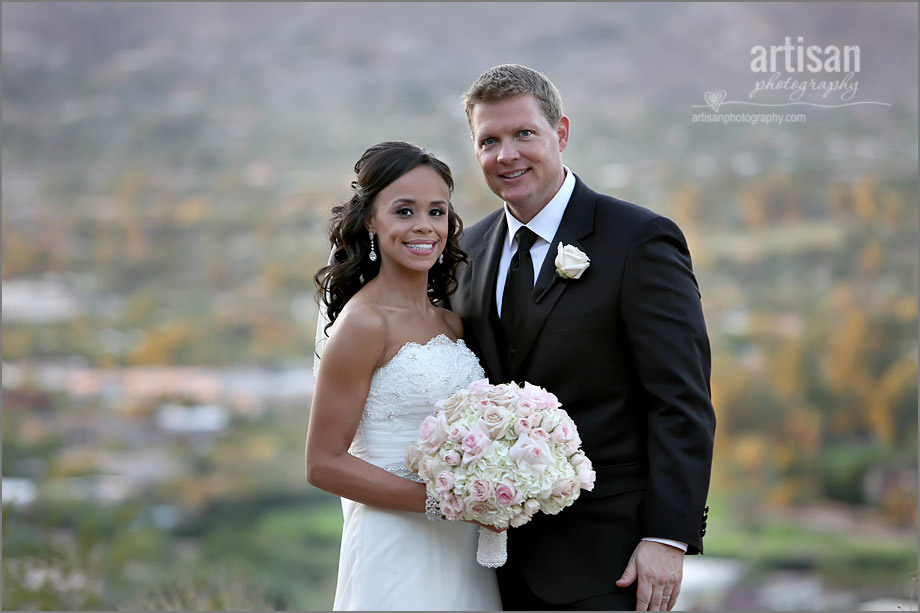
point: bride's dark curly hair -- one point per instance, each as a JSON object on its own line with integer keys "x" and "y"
{"x": 350, "y": 269}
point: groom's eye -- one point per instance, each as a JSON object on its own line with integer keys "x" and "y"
{"x": 488, "y": 141}
{"x": 526, "y": 133}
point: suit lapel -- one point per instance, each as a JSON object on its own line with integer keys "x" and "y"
{"x": 577, "y": 223}
{"x": 484, "y": 270}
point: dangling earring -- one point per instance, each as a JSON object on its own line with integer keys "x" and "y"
{"x": 441, "y": 258}
{"x": 372, "y": 256}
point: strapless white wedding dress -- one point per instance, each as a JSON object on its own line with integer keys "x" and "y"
{"x": 397, "y": 560}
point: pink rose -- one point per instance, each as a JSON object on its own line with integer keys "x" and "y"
{"x": 570, "y": 448}
{"x": 563, "y": 432}
{"x": 531, "y": 453}
{"x": 454, "y": 507}
{"x": 504, "y": 395}
{"x": 457, "y": 434}
{"x": 480, "y": 490}
{"x": 432, "y": 433}
{"x": 445, "y": 499}
{"x": 547, "y": 399}
{"x": 479, "y": 388}
{"x": 475, "y": 445}
{"x": 452, "y": 458}
{"x": 566, "y": 488}
{"x": 445, "y": 481}
{"x": 521, "y": 424}
{"x": 519, "y": 520}
{"x": 579, "y": 458}
{"x": 539, "y": 434}
{"x": 536, "y": 416}
{"x": 506, "y": 495}
{"x": 539, "y": 396}
{"x": 525, "y": 408}
{"x": 531, "y": 392}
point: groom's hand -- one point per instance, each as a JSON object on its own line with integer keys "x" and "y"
{"x": 659, "y": 569}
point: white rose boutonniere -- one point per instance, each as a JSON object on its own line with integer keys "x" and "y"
{"x": 571, "y": 262}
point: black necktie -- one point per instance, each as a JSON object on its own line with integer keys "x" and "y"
{"x": 519, "y": 284}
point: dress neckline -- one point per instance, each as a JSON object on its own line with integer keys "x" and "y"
{"x": 432, "y": 341}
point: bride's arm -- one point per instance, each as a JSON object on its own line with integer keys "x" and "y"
{"x": 350, "y": 357}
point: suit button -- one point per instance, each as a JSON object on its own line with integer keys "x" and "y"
{"x": 703, "y": 532}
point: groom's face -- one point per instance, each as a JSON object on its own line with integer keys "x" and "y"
{"x": 519, "y": 152}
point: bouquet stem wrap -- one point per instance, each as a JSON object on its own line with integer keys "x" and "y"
{"x": 492, "y": 551}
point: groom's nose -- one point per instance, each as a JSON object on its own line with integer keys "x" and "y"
{"x": 508, "y": 152}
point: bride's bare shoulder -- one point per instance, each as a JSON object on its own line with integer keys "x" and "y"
{"x": 454, "y": 322}
{"x": 360, "y": 325}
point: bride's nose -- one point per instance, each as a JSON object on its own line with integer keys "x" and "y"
{"x": 423, "y": 224}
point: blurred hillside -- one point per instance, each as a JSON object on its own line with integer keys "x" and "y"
{"x": 168, "y": 169}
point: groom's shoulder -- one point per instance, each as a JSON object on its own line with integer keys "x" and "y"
{"x": 612, "y": 212}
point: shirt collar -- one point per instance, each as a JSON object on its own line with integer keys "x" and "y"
{"x": 547, "y": 221}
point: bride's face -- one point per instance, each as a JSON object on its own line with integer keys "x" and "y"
{"x": 410, "y": 220}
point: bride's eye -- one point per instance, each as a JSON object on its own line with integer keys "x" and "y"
{"x": 404, "y": 211}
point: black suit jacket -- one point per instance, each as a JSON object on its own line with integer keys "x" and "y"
{"x": 625, "y": 350}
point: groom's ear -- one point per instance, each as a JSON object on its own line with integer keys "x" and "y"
{"x": 562, "y": 131}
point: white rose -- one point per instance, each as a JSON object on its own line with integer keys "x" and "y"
{"x": 551, "y": 506}
{"x": 413, "y": 456}
{"x": 519, "y": 520}
{"x": 428, "y": 468}
{"x": 586, "y": 475}
{"x": 452, "y": 407}
{"x": 571, "y": 262}
{"x": 531, "y": 507}
{"x": 550, "y": 420}
{"x": 493, "y": 420}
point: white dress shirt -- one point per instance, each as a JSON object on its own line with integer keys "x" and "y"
{"x": 544, "y": 225}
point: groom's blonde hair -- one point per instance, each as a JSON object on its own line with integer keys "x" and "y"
{"x": 511, "y": 80}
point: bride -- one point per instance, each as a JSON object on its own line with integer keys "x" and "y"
{"x": 390, "y": 355}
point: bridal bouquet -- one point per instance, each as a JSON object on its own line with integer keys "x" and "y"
{"x": 498, "y": 454}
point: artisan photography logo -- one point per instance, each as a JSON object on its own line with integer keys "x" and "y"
{"x": 792, "y": 74}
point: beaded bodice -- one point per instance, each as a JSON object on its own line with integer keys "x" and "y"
{"x": 403, "y": 392}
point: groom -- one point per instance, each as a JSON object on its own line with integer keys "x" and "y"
{"x": 621, "y": 341}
